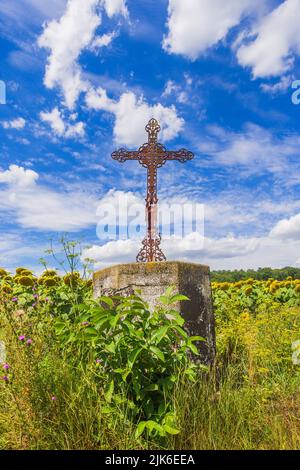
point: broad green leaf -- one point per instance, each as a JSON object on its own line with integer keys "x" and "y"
{"x": 151, "y": 388}
{"x": 193, "y": 348}
{"x": 114, "y": 320}
{"x": 90, "y": 331}
{"x": 197, "y": 338}
{"x": 178, "y": 298}
{"x": 133, "y": 356}
{"x": 171, "y": 430}
{"x": 164, "y": 300}
{"x": 160, "y": 334}
{"x": 158, "y": 353}
{"x": 174, "y": 316}
{"x": 169, "y": 291}
{"x": 110, "y": 347}
{"x": 140, "y": 428}
{"x": 180, "y": 331}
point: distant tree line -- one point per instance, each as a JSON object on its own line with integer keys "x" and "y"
{"x": 261, "y": 274}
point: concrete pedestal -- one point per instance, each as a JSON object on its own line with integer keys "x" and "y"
{"x": 152, "y": 279}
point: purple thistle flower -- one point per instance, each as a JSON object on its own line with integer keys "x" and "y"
{"x": 22, "y": 338}
{"x": 29, "y": 342}
{"x": 36, "y": 296}
{"x": 5, "y": 378}
{"x": 85, "y": 323}
{"x": 14, "y": 299}
{"x": 98, "y": 361}
{"x": 34, "y": 305}
{"x": 46, "y": 299}
{"x": 53, "y": 398}
{"x": 6, "y": 366}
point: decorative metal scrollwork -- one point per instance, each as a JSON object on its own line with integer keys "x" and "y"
{"x": 152, "y": 155}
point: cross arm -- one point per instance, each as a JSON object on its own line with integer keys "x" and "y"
{"x": 181, "y": 155}
{"x": 122, "y": 155}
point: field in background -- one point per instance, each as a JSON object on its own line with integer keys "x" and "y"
{"x": 55, "y": 392}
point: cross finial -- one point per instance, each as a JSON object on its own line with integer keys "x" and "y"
{"x": 153, "y": 129}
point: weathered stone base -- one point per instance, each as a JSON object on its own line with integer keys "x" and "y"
{"x": 152, "y": 280}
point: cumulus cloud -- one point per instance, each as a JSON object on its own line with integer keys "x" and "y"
{"x": 35, "y": 206}
{"x": 273, "y": 44}
{"x": 131, "y": 115}
{"x": 67, "y": 37}
{"x": 60, "y": 127}
{"x": 192, "y": 247}
{"x": 196, "y": 25}
{"x": 287, "y": 229}
{"x": 19, "y": 177}
{"x": 18, "y": 123}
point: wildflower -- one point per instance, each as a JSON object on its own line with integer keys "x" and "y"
{"x": 14, "y": 299}
{"x": 21, "y": 338}
{"x": 34, "y": 305}
{"x": 35, "y": 296}
{"x": 98, "y": 361}
{"x": 53, "y": 398}
{"x": 6, "y": 366}
{"x": 5, "y": 378}
{"x": 29, "y": 342}
{"x": 85, "y": 323}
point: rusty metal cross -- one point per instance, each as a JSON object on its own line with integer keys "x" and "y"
{"x": 152, "y": 155}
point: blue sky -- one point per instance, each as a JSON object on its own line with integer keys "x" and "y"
{"x": 83, "y": 77}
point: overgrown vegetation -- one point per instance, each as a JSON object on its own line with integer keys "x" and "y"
{"x": 110, "y": 374}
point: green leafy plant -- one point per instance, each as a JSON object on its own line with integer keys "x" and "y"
{"x": 137, "y": 355}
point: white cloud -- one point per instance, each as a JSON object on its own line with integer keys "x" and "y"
{"x": 196, "y": 25}
{"x": 256, "y": 149}
{"x": 276, "y": 42}
{"x": 18, "y": 177}
{"x": 103, "y": 41}
{"x": 287, "y": 229}
{"x": 282, "y": 85}
{"x": 115, "y": 7}
{"x": 181, "y": 95}
{"x": 132, "y": 114}
{"x": 60, "y": 127}
{"x": 224, "y": 253}
{"x": 67, "y": 38}
{"x": 18, "y": 123}
{"x": 35, "y": 206}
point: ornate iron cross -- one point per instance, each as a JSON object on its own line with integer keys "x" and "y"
{"x": 152, "y": 155}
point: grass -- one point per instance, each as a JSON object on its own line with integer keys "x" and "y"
{"x": 249, "y": 400}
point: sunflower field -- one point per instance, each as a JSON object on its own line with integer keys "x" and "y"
{"x": 84, "y": 374}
